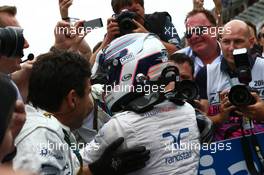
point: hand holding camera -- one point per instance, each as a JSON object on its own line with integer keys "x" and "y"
{"x": 112, "y": 29}
{"x": 140, "y": 28}
{"x": 124, "y": 23}
{"x": 226, "y": 106}
{"x": 256, "y": 110}
{"x": 69, "y": 37}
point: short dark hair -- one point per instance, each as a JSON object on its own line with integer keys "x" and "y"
{"x": 180, "y": 58}
{"x": 54, "y": 75}
{"x": 207, "y": 13}
{"x": 8, "y": 96}
{"x": 118, "y": 4}
{"x": 253, "y": 26}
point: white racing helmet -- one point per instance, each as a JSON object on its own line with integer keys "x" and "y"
{"x": 127, "y": 63}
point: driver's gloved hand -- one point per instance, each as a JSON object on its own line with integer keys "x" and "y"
{"x": 113, "y": 162}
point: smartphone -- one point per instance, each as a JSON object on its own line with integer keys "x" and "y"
{"x": 93, "y": 24}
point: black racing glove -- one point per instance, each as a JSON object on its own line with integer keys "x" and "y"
{"x": 114, "y": 162}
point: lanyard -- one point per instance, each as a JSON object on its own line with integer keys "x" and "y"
{"x": 68, "y": 141}
{"x": 75, "y": 151}
{"x": 245, "y": 143}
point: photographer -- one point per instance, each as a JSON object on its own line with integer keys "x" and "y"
{"x": 184, "y": 64}
{"x": 11, "y": 52}
{"x": 11, "y": 63}
{"x": 186, "y": 70}
{"x": 158, "y": 23}
{"x": 215, "y": 80}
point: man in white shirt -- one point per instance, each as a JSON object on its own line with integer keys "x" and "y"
{"x": 201, "y": 35}
{"x": 215, "y": 81}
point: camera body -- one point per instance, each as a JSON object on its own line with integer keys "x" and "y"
{"x": 125, "y": 21}
{"x": 240, "y": 95}
{"x": 187, "y": 90}
{"x": 184, "y": 90}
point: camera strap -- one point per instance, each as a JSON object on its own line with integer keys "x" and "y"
{"x": 247, "y": 143}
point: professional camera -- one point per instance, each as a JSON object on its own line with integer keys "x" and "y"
{"x": 11, "y": 42}
{"x": 188, "y": 89}
{"x": 184, "y": 90}
{"x": 240, "y": 95}
{"x": 125, "y": 21}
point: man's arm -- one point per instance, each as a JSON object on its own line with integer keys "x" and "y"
{"x": 107, "y": 154}
{"x": 225, "y": 107}
{"x": 84, "y": 47}
{"x": 65, "y": 40}
{"x": 64, "y": 8}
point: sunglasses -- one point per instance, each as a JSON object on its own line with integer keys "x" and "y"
{"x": 199, "y": 31}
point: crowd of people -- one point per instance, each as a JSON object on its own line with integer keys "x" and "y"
{"x": 132, "y": 104}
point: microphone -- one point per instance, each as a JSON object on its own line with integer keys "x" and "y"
{"x": 29, "y": 57}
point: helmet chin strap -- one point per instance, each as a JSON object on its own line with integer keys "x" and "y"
{"x": 144, "y": 103}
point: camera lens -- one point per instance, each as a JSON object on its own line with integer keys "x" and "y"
{"x": 125, "y": 22}
{"x": 11, "y": 42}
{"x": 188, "y": 89}
{"x": 126, "y": 26}
{"x": 240, "y": 95}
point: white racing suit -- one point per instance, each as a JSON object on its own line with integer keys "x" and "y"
{"x": 166, "y": 130}
{"x": 41, "y": 147}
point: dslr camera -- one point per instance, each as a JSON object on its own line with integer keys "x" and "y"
{"x": 240, "y": 95}
{"x": 125, "y": 22}
{"x": 185, "y": 90}
{"x": 11, "y": 42}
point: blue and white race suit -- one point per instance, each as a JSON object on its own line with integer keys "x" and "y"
{"x": 168, "y": 130}
{"x": 41, "y": 146}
